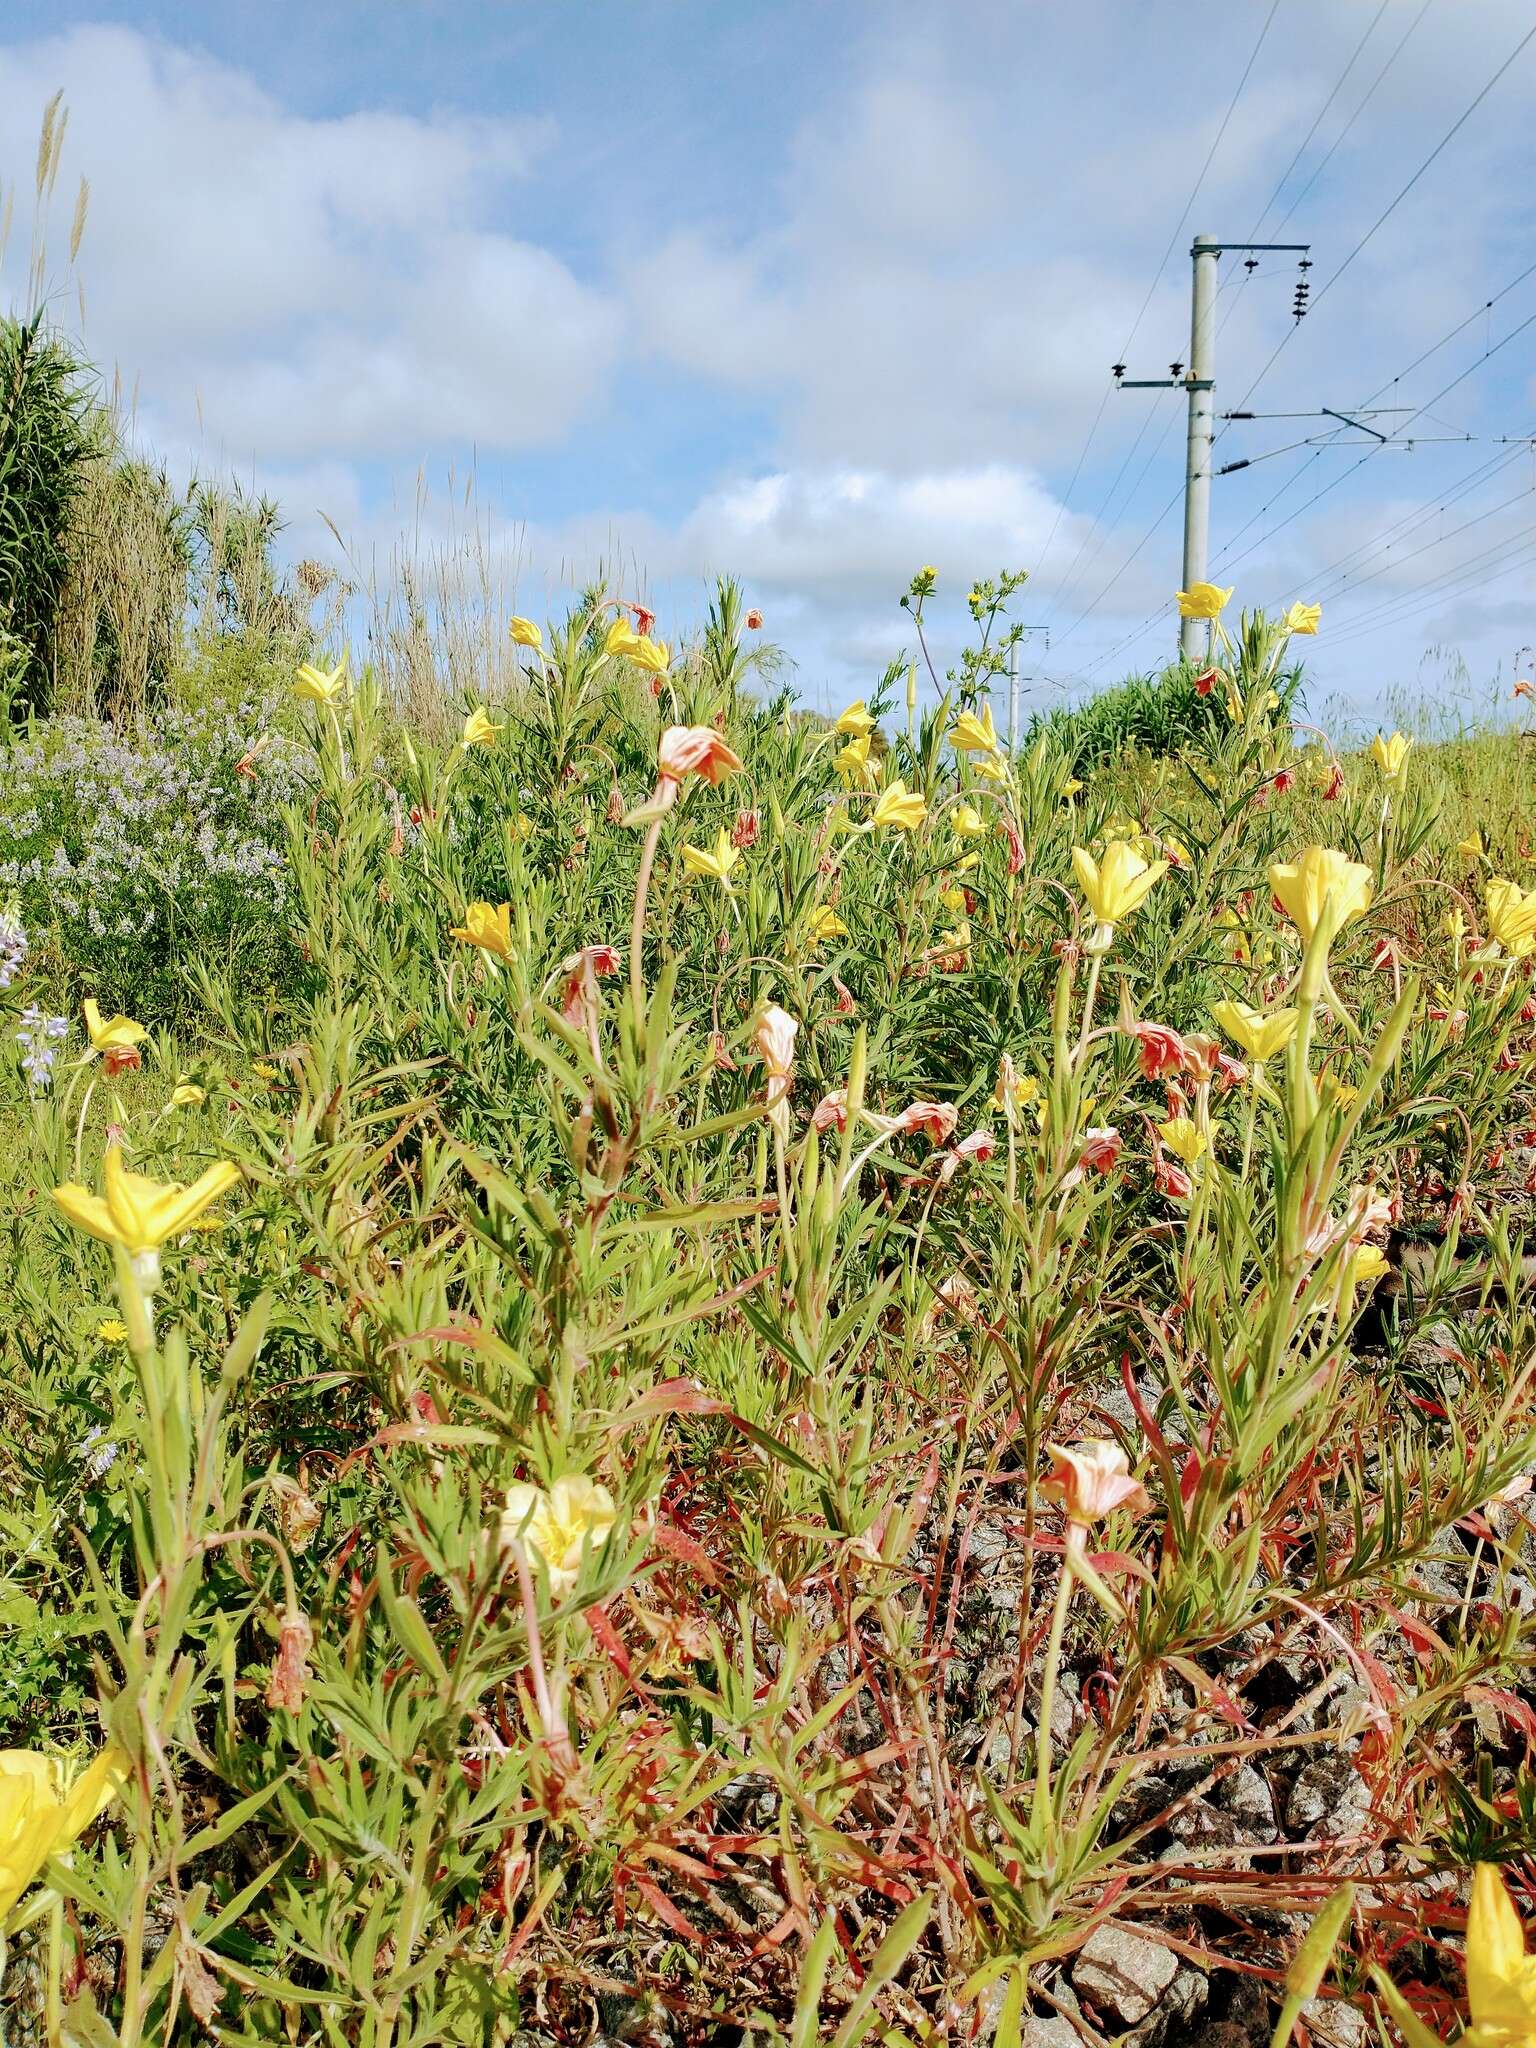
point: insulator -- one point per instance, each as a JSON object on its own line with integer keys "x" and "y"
{"x": 1177, "y": 369}
{"x": 1117, "y": 371}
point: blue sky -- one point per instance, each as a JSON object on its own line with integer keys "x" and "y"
{"x": 816, "y": 293}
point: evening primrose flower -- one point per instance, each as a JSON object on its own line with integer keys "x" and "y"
{"x": 972, "y": 735}
{"x": 527, "y": 633}
{"x": 1511, "y": 916}
{"x": 1118, "y": 884}
{"x": 853, "y": 765}
{"x": 1321, "y": 888}
{"x": 44, "y": 1809}
{"x": 900, "y": 808}
{"x": 1471, "y": 847}
{"x": 1302, "y": 618}
{"x": 640, "y": 648}
{"x": 111, "y": 1034}
{"x": 1501, "y": 1976}
{"x": 717, "y": 861}
{"x": 775, "y": 1036}
{"x": 1184, "y": 1139}
{"x": 1091, "y": 1480}
{"x": 695, "y": 750}
{"x": 320, "y": 686}
{"x": 854, "y": 723}
{"x": 1366, "y": 1266}
{"x": 1203, "y": 601}
{"x": 826, "y": 924}
{"x": 488, "y": 926}
{"x": 1013, "y": 1090}
{"x": 968, "y": 821}
{"x": 138, "y": 1213}
{"x": 187, "y": 1095}
{"x": 479, "y": 730}
{"x": 1391, "y": 754}
{"x": 562, "y": 1527}
{"x": 1260, "y": 1036}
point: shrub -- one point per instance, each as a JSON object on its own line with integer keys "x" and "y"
{"x": 1160, "y": 713}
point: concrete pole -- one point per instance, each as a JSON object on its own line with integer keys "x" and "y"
{"x": 1200, "y": 383}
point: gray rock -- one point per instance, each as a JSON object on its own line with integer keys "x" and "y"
{"x": 1054, "y": 2032}
{"x": 1121, "y": 1974}
{"x": 1335, "y": 2024}
{"x": 1247, "y": 1797}
{"x": 1204, "y": 1826}
{"x": 1329, "y": 1797}
{"x": 1167, "y": 2025}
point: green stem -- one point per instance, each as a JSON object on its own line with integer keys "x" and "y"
{"x": 637, "y": 921}
{"x": 1048, "y": 1677}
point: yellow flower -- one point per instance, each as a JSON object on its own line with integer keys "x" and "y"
{"x": 1365, "y": 1269}
{"x": 111, "y": 1331}
{"x": 112, "y": 1034}
{"x": 187, "y": 1095}
{"x": 1511, "y": 916}
{"x": 43, "y": 1811}
{"x": 972, "y": 735}
{"x": 1390, "y": 754}
{"x": 1117, "y": 885}
{"x": 1013, "y": 1088}
{"x": 717, "y": 861}
{"x": 928, "y": 570}
{"x": 479, "y": 730}
{"x": 320, "y": 687}
{"x": 992, "y": 767}
{"x": 1321, "y": 888}
{"x": 854, "y": 767}
{"x": 1454, "y": 925}
{"x": 1184, "y": 1140}
{"x": 957, "y": 941}
{"x": 1472, "y": 846}
{"x": 623, "y": 640}
{"x": 527, "y": 633}
{"x": 1302, "y": 618}
{"x": 1260, "y": 1037}
{"x": 138, "y": 1213}
{"x": 968, "y": 821}
{"x": 1501, "y": 1977}
{"x": 488, "y": 926}
{"x": 1203, "y": 601}
{"x": 826, "y": 924}
{"x": 900, "y": 808}
{"x": 265, "y": 1071}
{"x": 561, "y": 1526}
{"x": 1071, "y": 788}
{"x": 855, "y": 722}
{"x": 953, "y": 899}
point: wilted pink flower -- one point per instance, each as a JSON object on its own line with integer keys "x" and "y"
{"x": 290, "y": 1669}
{"x": 1385, "y": 953}
{"x": 1283, "y": 780}
{"x": 1091, "y": 1480}
{"x": 845, "y": 1005}
{"x": 979, "y": 1145}
{"x": 754, "y": 620}
{"x": 1171, "y": 1179}
{"x": 1230, "y": 1073}
{"x": 695, "y": 750}
{"x": 1202, "y": 1055}
{"x": 1163, "y": 1051}
{"x": 615, "y": 809}
{"x": 1334, "y": 786}
{"x": 832, "y": 1111}
{"x": 1015, "y": 846}
{"x": 936, "y": 1120}
{"x": 718, "y": 1054}
{"x": 580, "y": 971}
{"x": 745, "y": 830}
{"x": 1205, "y": 682}
{"x": 776, "y": 1031}
{"x": 644, "y": 620}
{"x": 1101, "y": 1148}
{"x": 121, "y": 1059}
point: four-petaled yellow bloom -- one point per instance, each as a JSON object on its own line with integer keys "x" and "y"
{"x": 640, "y": 648}
{"x": 527, "y": 633}
{"x": 320, "y": 686}
{"x": 563, "y": 1526}
{"x": 1302, "y": 618}
{"x": 1184, "y": 1139}
{"x": 479, "y": 729}
{"x": 1119, "y": 883}
{"x": 1472, "y": 846}
{"x": 826, "y": 924}
{"x": 43, "y": 1810}
{"x": 717, "y": 860}
{"x": 1203, "y": 601}
{"x": 1511, "y": 916}
{"x": 488, "y": 926}
{"x": 110, "y": 1034}
{"x": 972, "y": 735}
{"x": 855, "y": 722}
{"x": 1321, "y": 888}
{"x": 187, "y": 1095}
{"x": 1390, "y": 754}
{"x": 138, "y": 1213}
{"x": 1260, "y": 1036}
{"x": 900, "y": 808}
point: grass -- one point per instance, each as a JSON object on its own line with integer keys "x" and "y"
{"x": 593, "y": 1531}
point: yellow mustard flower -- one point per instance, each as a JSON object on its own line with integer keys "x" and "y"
{"x": 855, "y": 722}
{"x": 900, "y": 808}
{"x": 717, "y": 860}
{"x": 320, "y": 686}
{"x": 110, "y": 1034}
{"x": 1260, "y": 1036}
{"x": 826, "y": 924}
{"x": 563, "y": 1526}
{"x": 488, "y": 926}
{"x": 1302, "y": 618}
{"x": 1391, "y": 754}
{"x": 972, "y": 735}
{"x": 527, "y": 633}
{"x": 1511, "y": 915}
{"x": 1118, "y": 884}
{"x": 1203, "y": 601}
{"x": 111, "y": 1331}
{"x": 138, "y": 1213}
{"x": 44, "y": 1808}
{"x": 1321, "y": 888}
{"x": 479, "y": 729}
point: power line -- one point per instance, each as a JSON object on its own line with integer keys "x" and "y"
{"x": 1475, "y": 569}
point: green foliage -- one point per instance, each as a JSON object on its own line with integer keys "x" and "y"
{"x": 1159, "y": 715}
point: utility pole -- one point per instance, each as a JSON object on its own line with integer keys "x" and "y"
{"x": 1014, "y": 679}
{"x": 1199, "y": 382}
